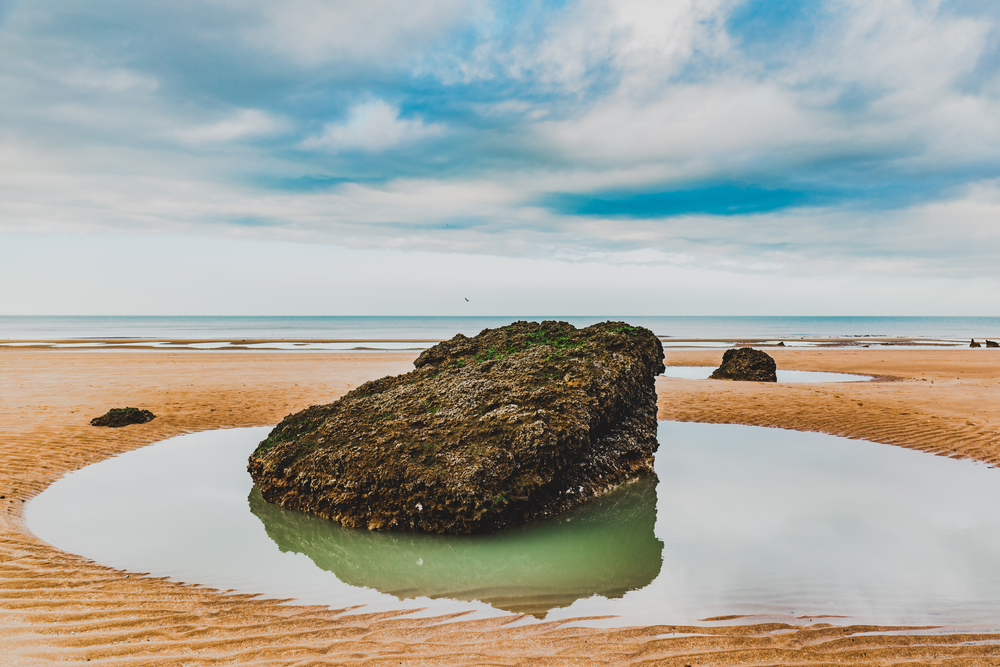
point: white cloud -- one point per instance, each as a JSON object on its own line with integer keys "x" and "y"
{"x": 971, "y": 219}
{"x": 901, "y": 61}
{"x": 700, "y": 128}
{"x": 244, "y": 124}
{"x": 39, "y": 191}
{"x": 644, "y": 42}
{"x": 115, "y": 80}
{"x": 371, "y": 126}
{"x": 379, "y": 32}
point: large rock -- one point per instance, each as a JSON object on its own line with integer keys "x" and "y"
{"x": 746, "y": 363}
{"x": 515, "y": 424}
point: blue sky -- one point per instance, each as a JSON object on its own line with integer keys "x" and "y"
{"x": 670, "y": 157}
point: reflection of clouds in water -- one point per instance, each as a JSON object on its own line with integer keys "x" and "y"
{"x": 824, "y": 523}
{"x": 749, "y": 520}
{"x": 702, "y": 373}
{"x": 767, "y": 521}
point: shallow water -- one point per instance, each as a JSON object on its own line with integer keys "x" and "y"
{"x": 743, "y": 520}
{"x": 606, "y": 548}
{"x": 702, "y": 373}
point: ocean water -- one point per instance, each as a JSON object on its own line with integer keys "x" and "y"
{"x": 440, "y": 328}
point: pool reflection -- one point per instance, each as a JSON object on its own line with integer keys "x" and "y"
{"x": 606, "y": 547}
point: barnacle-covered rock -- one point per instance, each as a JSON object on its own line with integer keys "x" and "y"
{"x": 516, "y": 423}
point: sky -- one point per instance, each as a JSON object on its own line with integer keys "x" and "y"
{"x": 467, "y": 157}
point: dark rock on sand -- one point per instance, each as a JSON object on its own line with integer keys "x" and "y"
{"x": 116, "y": 417}
{"x": 746, "y": 363}
{"x": 974, "y": 343}
{"x": 517, "y": 423}
{"x": 992, "y": 343}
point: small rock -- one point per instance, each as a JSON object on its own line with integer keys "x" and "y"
{"x": 117, "y": 417}
{"x": 746, "y": 364}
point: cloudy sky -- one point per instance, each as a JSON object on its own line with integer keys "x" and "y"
{"x": 322, "y": 157}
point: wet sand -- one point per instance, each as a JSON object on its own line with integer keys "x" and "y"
{"x": 60, "y": 608}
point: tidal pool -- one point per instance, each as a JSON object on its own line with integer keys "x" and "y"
{"x": 742, "y": 520}
{"x": 702, "y": 373}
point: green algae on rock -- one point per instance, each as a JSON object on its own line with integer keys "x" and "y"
{"x": 515, "y": 424}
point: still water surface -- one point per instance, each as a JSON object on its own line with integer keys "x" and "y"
{"x": 742, "y": 520}
{"x": 702, "y": 373}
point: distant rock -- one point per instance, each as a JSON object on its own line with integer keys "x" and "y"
{"x": 746, "y": 363}
{"x": 117, "y": 417}
{"x": 991, "y": 343}
{"x": 514, "y": 424}
{"x": 974, "y": 343}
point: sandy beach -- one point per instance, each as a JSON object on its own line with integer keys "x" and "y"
{"x": 61, "y": 608}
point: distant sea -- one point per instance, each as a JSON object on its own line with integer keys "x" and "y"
{"x": 439, "y": 328}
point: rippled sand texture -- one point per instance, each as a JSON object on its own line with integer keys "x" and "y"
{"x": 943, "y": 402}
{"x": 59, "y": 608}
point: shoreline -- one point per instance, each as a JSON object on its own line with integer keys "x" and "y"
{"x": 311, "y": 344}
{"x": 58, "y": 606}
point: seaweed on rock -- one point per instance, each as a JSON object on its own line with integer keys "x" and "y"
{"x": 514, "y": 424}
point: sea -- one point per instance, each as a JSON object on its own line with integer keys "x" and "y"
{"x": 22, "y": 328}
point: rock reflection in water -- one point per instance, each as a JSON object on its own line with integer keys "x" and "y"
{"x": 607, "y": 547}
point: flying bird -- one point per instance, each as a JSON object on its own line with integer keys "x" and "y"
{"x": 466, "y": 298}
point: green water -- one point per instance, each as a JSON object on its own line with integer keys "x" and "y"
{"x": 606, "y": 547}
